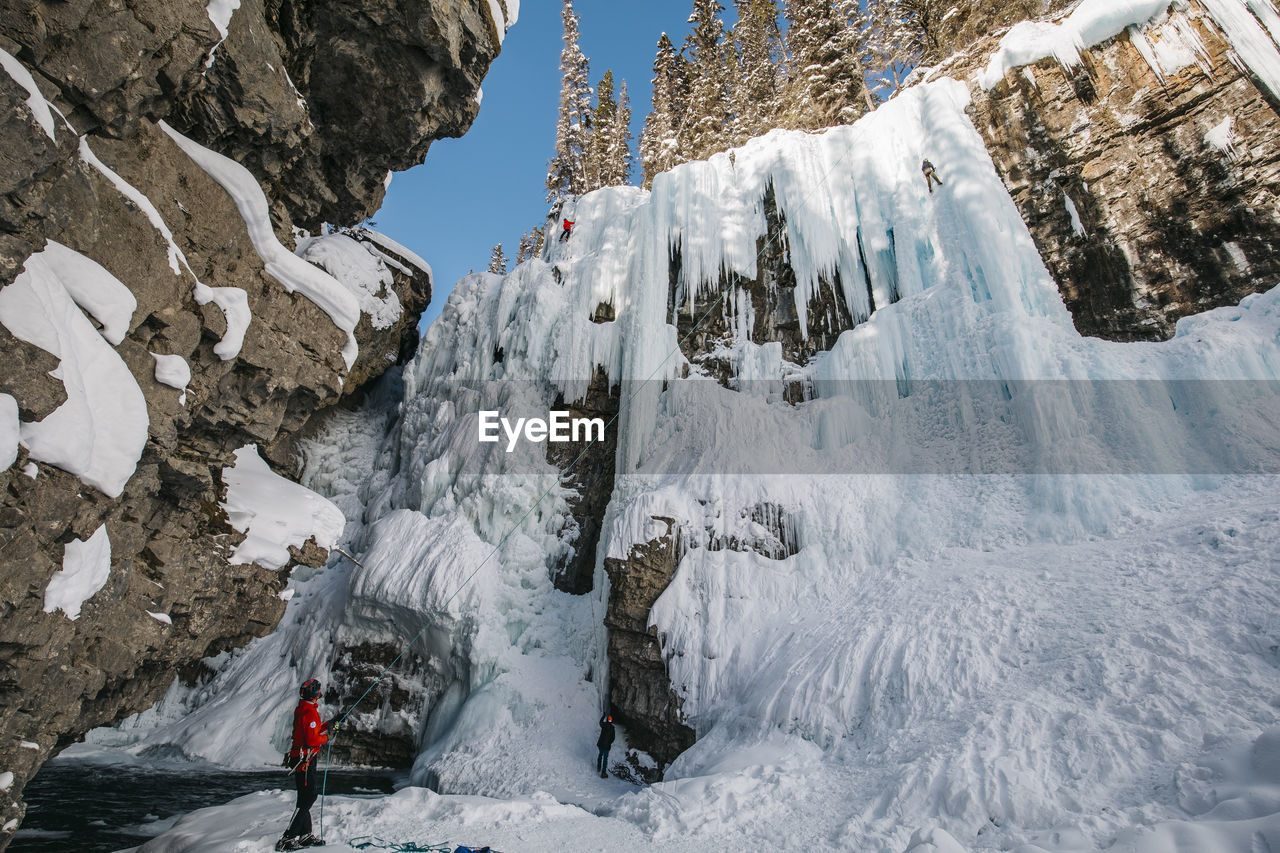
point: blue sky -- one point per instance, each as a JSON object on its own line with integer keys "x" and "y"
{"x": 487, "y": 187}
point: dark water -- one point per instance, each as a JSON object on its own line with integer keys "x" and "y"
{"x": 97, "y": 808}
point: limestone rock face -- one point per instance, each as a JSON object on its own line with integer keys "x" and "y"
{"x": 319, "y": 100}
{"x": 640, "y": 692}
{"x": 705, "y": 325}
{"x": 1172, "y": 178}
{"x": 591, "y": 469}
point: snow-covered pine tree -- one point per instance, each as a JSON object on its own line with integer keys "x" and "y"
{"x": 524, "y": 249}
{"x": 660, "y": 138}
{"x": 603, "y": 128}
{"x": 754, "y": 91}
{"x": 826, "y": 80}
{"x": 565, "y": 173}
{"x": 618, "y": 156}
{"x": 853, "y": 50}
{"x": 497, "y": 261}
{"x": 706, "y": 132}
{"x": 908, "y": 34}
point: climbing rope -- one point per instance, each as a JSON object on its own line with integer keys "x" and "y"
{"x": 373, "y": 842}
{"x": 556, "y": 483}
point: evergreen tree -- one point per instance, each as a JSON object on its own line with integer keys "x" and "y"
{"x": 854, "y": 45}
{"x": 826, "y": 85}
{"x": 754, "y": 94}
{"x": 524, "y": 249}
{"x": 566, "y": 174}
{"x": 618, "y": 156}
{"x": 604, "y": 120}
{"x": 705, "y": 132}
{"x": 497, "y": 261}
{"x": 660, "y": 139}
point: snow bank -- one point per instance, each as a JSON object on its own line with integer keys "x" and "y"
{"x": 35, "y": 101}
{"x": 1168, "y": 44}
{"x": 86, "y": 566}
{"x": 274, "y": 513}
{"x": 395, "y": 248}
{"x": 358, "y": 268}
{"x": 1092, "y": 22}
{"x": 287, "y": 268}
{"x": 98, "y": 434}
{"x": 9, "y": 434}
{"x": 413, "y": 815}
{"x": 6, "y": 780}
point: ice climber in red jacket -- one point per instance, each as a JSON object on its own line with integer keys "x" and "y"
{"x": 309, "y": 734}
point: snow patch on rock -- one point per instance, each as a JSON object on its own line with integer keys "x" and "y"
{"x": 1222, "y": 139}
{"x": 286, "y": 267}
{"x": 361, "y": 269}
{"x": 86, "y": 566}
{"x": 99, "y": 432}
{"x": 35, "y": 101}
{"x": 1168, "y": 44}
{"x": 274, "y": 513}
{"x": 220, "y": 12}
{"x": 173, "y": 370}
{"x": 9, "y": 431}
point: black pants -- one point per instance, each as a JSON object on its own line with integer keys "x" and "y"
{"x": 307, "y": 793}
{"x": 602, "y": 760}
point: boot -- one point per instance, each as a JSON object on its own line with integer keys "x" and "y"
{"x": 289, "y": 844}
{"x": 310, "y": 840}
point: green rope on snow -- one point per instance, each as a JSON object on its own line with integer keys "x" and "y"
{"x": 324, "y": 780}
{"x": 373, "y": 842}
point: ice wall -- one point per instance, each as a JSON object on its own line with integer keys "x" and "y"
{"x": 957, "y": 454}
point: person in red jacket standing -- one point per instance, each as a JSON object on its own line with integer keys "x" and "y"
{"x": 564, "y": 235}
{"x": 309, "y": 734}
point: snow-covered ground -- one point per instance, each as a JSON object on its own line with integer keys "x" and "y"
{"x": 1070, "y": 644}
{"x": 1061, "y": 695}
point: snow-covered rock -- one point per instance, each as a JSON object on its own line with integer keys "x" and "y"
{"x": 86, "y": 567}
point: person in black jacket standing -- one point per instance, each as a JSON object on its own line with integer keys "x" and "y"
{"x": 604, "y": 743}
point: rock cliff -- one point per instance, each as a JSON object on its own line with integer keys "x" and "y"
{"x": 320, "y": 101}
{"x": 1148, "y": 174}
